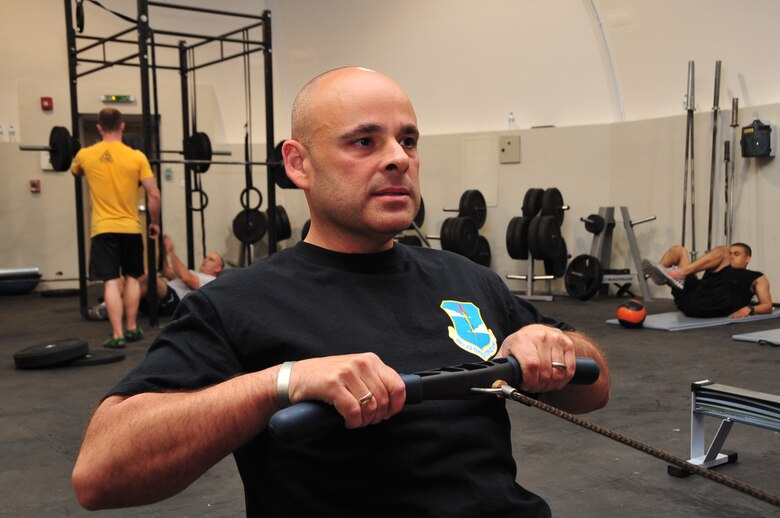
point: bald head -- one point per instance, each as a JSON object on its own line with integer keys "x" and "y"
{"x": 329, "y": 89}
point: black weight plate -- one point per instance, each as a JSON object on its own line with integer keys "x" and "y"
{"x": 472, "y": 205}
{"x": 594, "y": 224}
{"x": 199, "y": 149}
{"x": 483, "y": 255}
{"x": 517, "y": 237}
{"x": 548, "y": 234}
{"x": 249, "y": 226}
{"x": 65, "y": 292}
{"x": 420, "y": 217}
{"x": 61, "y": 149}
{"x": 556, "y": 265}
{"x": 460, "y": 235}
{"x": 277, "y": 169}
{"x": 96, "y": 358}
{"x": 552, "y": 204}
{"x": 410, "y": 240}
{"x": 532, "y": 202}
{"x": 50, "y": 354}
{"x": 305, "y": 229}
{"x": 283, "y": 230}
{"x": 533, "y": 230}
{"x": 583, "y": 277}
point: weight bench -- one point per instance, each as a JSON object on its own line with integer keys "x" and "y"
{"x": 732, "y": 405}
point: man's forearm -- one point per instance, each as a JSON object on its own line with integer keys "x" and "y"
{"x": 151, "y": 446}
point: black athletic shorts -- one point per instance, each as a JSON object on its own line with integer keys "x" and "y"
{"x": 112, "y": 255}
{"x": 166, "y": 304}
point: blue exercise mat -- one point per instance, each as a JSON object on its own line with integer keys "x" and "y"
{"x": 770, "y": 337}
{"x": 676, "y": 321}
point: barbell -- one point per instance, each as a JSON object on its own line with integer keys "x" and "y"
{"x": 197, "y": 152}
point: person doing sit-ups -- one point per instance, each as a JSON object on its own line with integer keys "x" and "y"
{"x": 727, "y": 287}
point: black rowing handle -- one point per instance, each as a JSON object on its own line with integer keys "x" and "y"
{"x": 304, "y": 419}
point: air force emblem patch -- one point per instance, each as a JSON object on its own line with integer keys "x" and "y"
{"x": 468, "y": 330}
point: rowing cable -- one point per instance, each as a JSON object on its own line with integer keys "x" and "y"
{"x": 515, "y": 395}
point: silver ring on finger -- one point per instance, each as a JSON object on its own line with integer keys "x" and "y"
{"x": 366, "y": 399}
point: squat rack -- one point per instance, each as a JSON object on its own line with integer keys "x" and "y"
{"x": 146, "y": 44}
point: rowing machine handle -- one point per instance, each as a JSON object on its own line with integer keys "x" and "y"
{"x": 306, "y": 418}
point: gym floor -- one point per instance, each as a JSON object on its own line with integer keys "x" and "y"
{"x": 43, "y": 414}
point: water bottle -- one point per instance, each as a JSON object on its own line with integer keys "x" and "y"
{"x": 511, "y": 120}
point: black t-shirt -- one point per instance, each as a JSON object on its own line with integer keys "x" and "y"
{"x": 417, "y": 309}
{"x": 716, "y": 294}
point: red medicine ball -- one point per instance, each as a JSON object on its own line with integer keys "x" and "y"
{"x": 631, "y": 313}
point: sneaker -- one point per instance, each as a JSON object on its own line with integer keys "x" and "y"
{"x": 133, "y": 335}
{"x": 115, "y": 343}
{"x": 660, "y": 275}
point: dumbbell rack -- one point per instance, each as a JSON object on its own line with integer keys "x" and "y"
{"x": 601, "y": 249}
{"x": 530, "y": 278}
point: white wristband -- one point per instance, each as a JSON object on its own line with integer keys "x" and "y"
{"x": 283, "y": 385}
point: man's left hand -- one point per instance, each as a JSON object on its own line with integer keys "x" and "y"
{"x": 537, "y": 348}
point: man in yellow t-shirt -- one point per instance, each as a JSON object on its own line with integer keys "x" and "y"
{"x": 114, "y": 171}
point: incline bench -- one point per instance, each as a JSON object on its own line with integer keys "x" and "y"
{"x": 732, "y": 405}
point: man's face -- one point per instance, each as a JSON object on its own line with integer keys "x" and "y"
{"x": 212, "y": 264}
{"x": 362, "y": 164}
{"x": 739, "y": 259}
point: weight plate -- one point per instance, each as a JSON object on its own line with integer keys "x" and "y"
{"x": 50, "y": 354}
{"x": 96, "y": 358}
{"x": 556, "y": 265}
{"x": 583, "y": 277}
{"x": 548, "y": 235}
{"x": 305, "y": 229}
{"x": 249, "y": 226}
{"x": 595, "y": 224}
{"x": 472, "y": 205}
{"x": 199, "y": 148}
{"x": 552, "y": 204}
{"x": 459, "y": 235}
{"x": 482, "y": 256}
{"x": 532, "y": 202}
{"x": 420, "y": 217}
{"x": 283, "y": 230}
{"x": 277, "y": 169}
{"x": 61, "y": 149}
{"x": 517, "y": 237}
{"x": 533, "y": 230}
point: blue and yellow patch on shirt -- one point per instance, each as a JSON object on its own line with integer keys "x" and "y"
{"x": 468, "y": 330}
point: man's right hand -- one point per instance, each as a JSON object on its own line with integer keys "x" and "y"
{"x": 343, "y": 381}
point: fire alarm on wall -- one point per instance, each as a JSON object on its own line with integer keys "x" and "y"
{"x": 47, "y": 104}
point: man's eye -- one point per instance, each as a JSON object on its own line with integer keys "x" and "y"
{"x": 365, "y": 141}
{"x": 409, "y": 142}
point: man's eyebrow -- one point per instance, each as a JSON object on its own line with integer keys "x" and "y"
{"x": 360, "y": 130}
{"x": 364, "y": 129}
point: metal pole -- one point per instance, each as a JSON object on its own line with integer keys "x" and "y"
{"x": 734, "y": 124}
{"x": 143, "y": 59}
{"x": 269, "y": 130}
{"x": 715, "y": 110}
{"x": 185, "y": 135}
{"x": 690, "y": 106}
{"x": 74, "y": 121}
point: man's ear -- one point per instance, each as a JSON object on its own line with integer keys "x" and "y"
{"x": 294, "y": 156}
